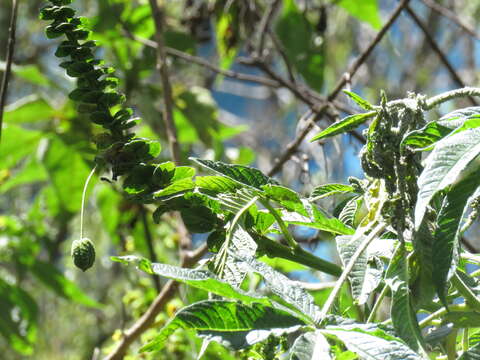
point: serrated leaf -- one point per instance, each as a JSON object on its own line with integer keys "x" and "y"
{"x": 449, "y": 157}
{"x": 347, "y": 124}
{"x": 323, "y": 191}
{"x": 244, "y": 175}
{"x": 310, "y": 346}
{"x": 177, "y": 187}
{"x": 286, "y": 197}
{"x": 402, "y": 312}
{"x": 371, "y": 347}
{"x": 200, "y": 279}
{"x": 447, "y": 232}
{"x": 363, "y": 278}
{"x": 216, "y": 184}
{"x": 364, "y": 104}
{"x": 288, "y": 290}
{"x": 217, "y": 315}
{"x": 422, "y": 139}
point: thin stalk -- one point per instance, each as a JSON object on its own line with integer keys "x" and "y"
{"x": 440, "y": 312}
{"x": 378, "y": 303}
{"x": 288, "y": 237}
{"x": 274, "y": 249}
{"x": 336, "y": 290}
{"x": 8, "y": 60}
{"x": 84, "y": 195}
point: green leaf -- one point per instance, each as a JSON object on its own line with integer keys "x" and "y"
{"x": 17, "y": 143}
{"x": 177, "y": 187}
{"x": 28, "y": 109}
{"x": 54, "y": 279}
{"x": 402, "y": 312}
{"x": 183, "y": 172}
{"x": 462, "y": 319}
{"x": 363, "y": 278}
{"x": 471, "y": 354}
{"x": 244, "y": 175}
{"x": 18, "y": 318}
{"x": 68, "y": 172}
{"x": 29, "y": 73}
{"x": 227, "y": 29}
{"x": 200, "y": 279}
{"x": 444, "y": 165}
{"x": 422, "y": 139}
{"x": 365, "y": 10}
{"x": 310, "y": 346}
{"x": 371, "y": 347}
{"x": 318, "y": 220}
{"x": 364, "y": 104}
{"x": 289, "y": 199}
{"x": 458, "y": 117}
{"x": 347, "y": 124}
{"x": 329, "y": 189}
{"x": 219, "y": 316}
{"x": 216, "y": 184}
{"x": 288, "y": 290}
{"x": 199, "y": 219}
{"x": 297, "y": 36}
{"x": 447, "y": 233}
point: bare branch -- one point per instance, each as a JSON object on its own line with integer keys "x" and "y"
{"x": 9, "y": 59}
{"x": 162, "y": 66}
{"x": 451, "y": 16}
{"x": 438, "y": 51}
{"x": 292, "y": 147}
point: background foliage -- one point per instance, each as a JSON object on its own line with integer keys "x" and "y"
{"x": 50, "y": 310}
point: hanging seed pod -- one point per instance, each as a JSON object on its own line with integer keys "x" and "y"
{"x": 83, "y": 253}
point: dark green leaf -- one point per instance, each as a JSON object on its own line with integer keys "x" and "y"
{"x": 216, "y": 315}
{"x": 244, "y": 175}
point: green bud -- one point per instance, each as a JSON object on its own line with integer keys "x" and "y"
{"x": 83, "y": 253}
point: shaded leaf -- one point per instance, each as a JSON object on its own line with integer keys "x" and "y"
{"x": 310, "y": 346}
{"x": 329, "y": 189}
{"x": 217, "y": 315}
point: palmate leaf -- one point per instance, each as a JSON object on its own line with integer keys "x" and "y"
{"x": 371, "y": 347}
{"x": 200, "y": 279}
{"x": 347, "y": 124}
{"x": 329, "y": 189}
{"x": 444, "y": 165}
{"x": 363, "y": 278}
{"x": 224, "y": 316}
{"x": 403, "y": 315}
{"x": 447, "y": 232}
{"x": 244, "y": 175}
{"x": 310, "y": 346}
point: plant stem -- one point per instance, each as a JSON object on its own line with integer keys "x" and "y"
{"x": 425, "y": 322}
{"x": 274, "y": 249}
{"x": 450, "y": 95}
{"x": 378, "y": 303}
{"x": 348, "y": 268}
{"x": 288, "y": 237}
{"x": 8, "y": 60}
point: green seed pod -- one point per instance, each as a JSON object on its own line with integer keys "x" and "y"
{"x": 83, "y": 253}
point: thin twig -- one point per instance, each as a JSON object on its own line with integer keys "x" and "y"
{"x": 278, "y": 46}
{"x": 8, "y": 61}
{"x": 148, "y": 318}
{"x": 451, "y": 16}
{"x": 292, "y": 147}
{"x": 202, "y": 62}
{"x": 162, "y": 67}
{"x": 443, "y": 58}
{"x": 264, "y": 25}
